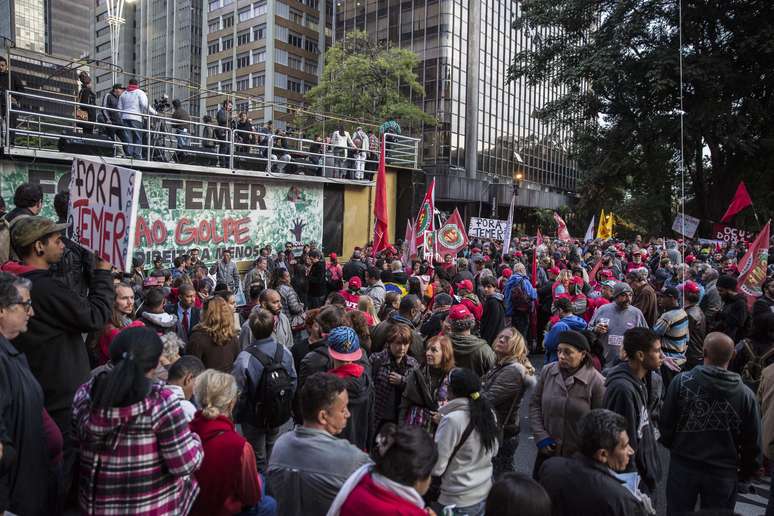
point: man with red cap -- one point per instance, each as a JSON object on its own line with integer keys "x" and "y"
{"x": 333, "y": 273}
{"x": 351, "y": 294}
{"x": 469, "y": 299}
{"x": 469, "y": 351}
{"x": 697, "y": 324}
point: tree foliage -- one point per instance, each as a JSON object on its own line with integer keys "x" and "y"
{"x": 617, "y": 64}
{"x": 365, "y": 80}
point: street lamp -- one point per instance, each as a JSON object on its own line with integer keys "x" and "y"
{"x": 115, "y": 20}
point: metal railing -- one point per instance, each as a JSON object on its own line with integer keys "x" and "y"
{"x": 157, "y": 137}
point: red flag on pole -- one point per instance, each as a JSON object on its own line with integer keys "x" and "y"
{"x": 426, "y": 216}
{"x": 452, "y": 236}
{"x": 381, "y": 235}
{"x": 752, "y": 267}
{"x": 740, "y": 201}
{"x": 561, "y": 228}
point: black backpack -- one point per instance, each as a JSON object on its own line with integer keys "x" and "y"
{"x": 272, "y": 398}
{"x": 520, "y": 301}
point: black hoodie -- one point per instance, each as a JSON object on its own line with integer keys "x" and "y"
{"x": 711, "y": 419}
{"x": 360, "y": 389}
{"x": 627, "y": 395}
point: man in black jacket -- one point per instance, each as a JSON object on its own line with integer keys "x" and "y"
{"x": 355, "y": 266}
{"x": 626, "y": 393}
{"x": 317, "y": 288}
{"x": 27, "y": 200}
{"x": 493, "y": 319}
{"x": 711, "y": 424}
{"x": 585, "y": 484}
{"x": 432, "y": 326}
{"x": 734, "y": 317}
{"x": 54, "y": 343}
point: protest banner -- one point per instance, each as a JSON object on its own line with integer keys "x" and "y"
{"x": 103, "y": 210}
{"x": 492, "y": 229}
{"x": 691, "y": 225}
{"x": 180, "y": 212}
{"x": 730, "y": 235}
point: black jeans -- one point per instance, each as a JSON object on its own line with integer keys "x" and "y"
{"x": 688, "y": 481}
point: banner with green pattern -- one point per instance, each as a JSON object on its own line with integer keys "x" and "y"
{"x": 209, "y": 212}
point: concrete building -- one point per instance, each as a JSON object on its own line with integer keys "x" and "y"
{"x": 100, "y": 44}
{"x": 486, "y": 136}
{"x": 269, "y": 51}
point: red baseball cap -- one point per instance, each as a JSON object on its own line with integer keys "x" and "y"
{"x": 354, "y": 282}
{"x": 507, "y": 272}
{"x": 690, "y": 259}
{"x": 466, "y": 284}
{"x": 554, "y": 270}
{"x": 333, "y": 256}
{"x": 691, "y": 287}
{"x": 606, "y": 273}
{"x": 458, "y": 312}
{"x": 487, "y": 258}
{"x": 475, "y": 250}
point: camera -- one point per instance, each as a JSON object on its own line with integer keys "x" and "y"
{"x": 162, "y": 104}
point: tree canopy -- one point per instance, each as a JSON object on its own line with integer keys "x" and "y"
{"x": 365, "y": 80}
{"x": 616, "y": 63}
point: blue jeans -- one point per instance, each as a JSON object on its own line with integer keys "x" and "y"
{"x": 470, "y": 510}
{"x": 182, "y": 137}
{"x": 133, "y": 138}
{"x": 686, "y": 482}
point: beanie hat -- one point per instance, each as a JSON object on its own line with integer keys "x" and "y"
{"x": 727, "y": 282}
{"x": 574, "y": 339}
{"x": 621, "y": 288}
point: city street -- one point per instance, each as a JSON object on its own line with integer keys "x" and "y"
{"x": 748, "y": 504}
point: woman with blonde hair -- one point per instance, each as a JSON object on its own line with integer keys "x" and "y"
{"x": 504, "y": 386}
{"x": 214, "y": 340}
{"x": 228, "y": 477}
{"x": 366, "y": 305}
{"x": 562, "y": 283}
{"x": 427, "y": 387}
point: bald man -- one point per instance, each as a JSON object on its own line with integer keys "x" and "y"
{"x": 710, "y": 423}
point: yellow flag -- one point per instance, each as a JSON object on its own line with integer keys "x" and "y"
{"x": 609, "y": 225}
{"x": 602, "y": 227}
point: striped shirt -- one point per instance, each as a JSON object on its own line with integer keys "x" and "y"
{"x": 137, "y": 459}
{"x": 672, "y": 327}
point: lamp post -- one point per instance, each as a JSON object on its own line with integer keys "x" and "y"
{"x": 115, "y": 20}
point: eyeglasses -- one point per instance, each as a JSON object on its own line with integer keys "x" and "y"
{"x": 26, "y": 304}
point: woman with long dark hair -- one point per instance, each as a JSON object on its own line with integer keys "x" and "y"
{"x": 119, "y": 413}
{"x": 427, "y": 387}
{"x": 468, "y": 427}
{"x": 415, "y": 287}
{"x": 395, "y": 483}
{"x": 516, "y": 493}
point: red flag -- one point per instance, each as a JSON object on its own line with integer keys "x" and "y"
{"x": 381, "y": 236}
{"x": 561, "y": 228}
{"x": 752, "y": 267}
{"x": 740, "y": 201}
{"x": 452, "y": 236}
{"x": 426, "y": 216}
{"x": 409, "y": 245}
{"x": 539, "y": 238}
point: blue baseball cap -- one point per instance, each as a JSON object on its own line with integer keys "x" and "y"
{"x": 344, "y": 345}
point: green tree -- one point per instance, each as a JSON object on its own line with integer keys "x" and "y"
{"x": 365, "y": 80}
{"x": 617, "y": 62}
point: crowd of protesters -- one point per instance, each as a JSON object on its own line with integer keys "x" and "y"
{"x": 378, "y": 386}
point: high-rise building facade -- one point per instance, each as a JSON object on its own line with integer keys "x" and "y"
{"x": 266, "y": 52}
{"x": 160, "y": 44}
{"x": 486, "y": 135}
{"x": 24, "y": 23}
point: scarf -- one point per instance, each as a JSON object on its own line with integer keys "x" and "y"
{"x": 406, "y": 492}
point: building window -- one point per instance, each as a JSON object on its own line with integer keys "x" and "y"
{"x": 242, "y": 83}
{"x": 294, "y": 85}
{"x": 259, "y": 56}
{"x": 212, "y": 69}
{"x": 281, "y": 80}
{"x": 314, "y": 4}
{"x": 312, "y": 21}
{"x": 295, "y": 63}
{"x": 101, "y": 32}
{"x": 214, "y": 4}
{"x": 214, "y": 47}
{"x": 225, "y": 86}
{"x": 228, "y": 21}
{"x": 213, "y": 26}
{"x": 259, "y": 32}
{"x": 259, "y": 8}
{"x": 295, "y": 39}
{"x": 228, "y": 43}
{"x": 243, "y": 38}
{"x": 310, "y": 66}
{"x": 244, "y": 14}
{"x": 311, "y": 46}
{"x": 226, "y": 65}
{"x": 242, "y": 106}
{"x": 259, "y": 81}
{"x": 296, "y": 17}
{"x": 256, "y": 103}
{"x": 243, "y": 60}
{"x": 306, "y": 88}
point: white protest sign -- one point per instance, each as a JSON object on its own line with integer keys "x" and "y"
{"x": 492, "y": 229}
{"x": 103, "y": 210}
{"x": 691, "y": 225}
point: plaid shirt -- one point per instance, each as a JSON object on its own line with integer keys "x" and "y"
{"x": 138, "y": 459}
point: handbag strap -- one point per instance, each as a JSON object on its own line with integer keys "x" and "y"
{"x": 510, "y": 413}
{"x": 465, "y": 435}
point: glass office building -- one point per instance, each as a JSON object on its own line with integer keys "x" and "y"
{"x": 486, "y": 134}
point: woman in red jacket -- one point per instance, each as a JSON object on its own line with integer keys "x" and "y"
{"x": 395, "y": 484}
{"x": 228, "y": 478}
